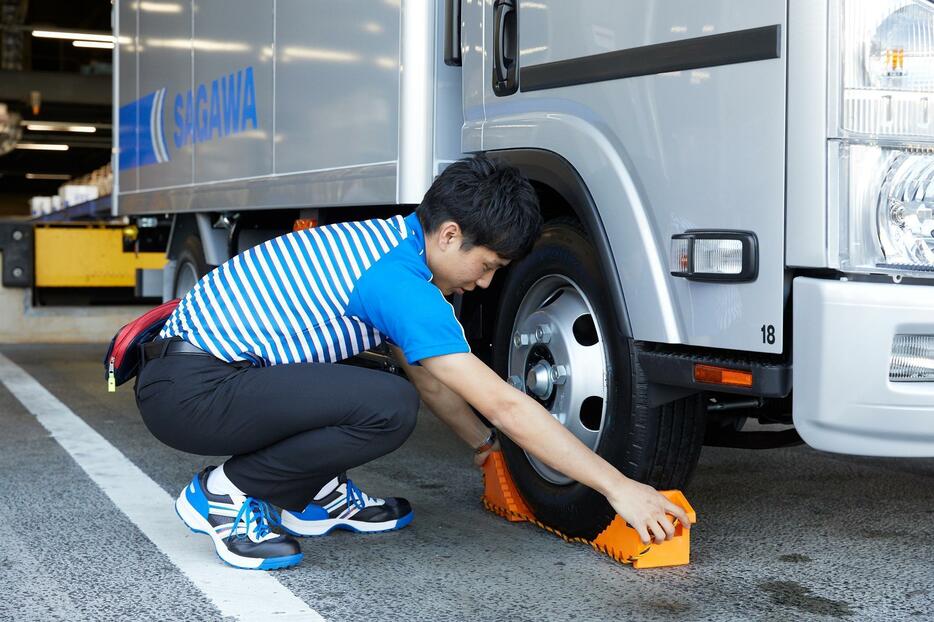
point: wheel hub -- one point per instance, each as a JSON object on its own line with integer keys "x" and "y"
{"x": 538, "y": 380}
{"x": 557, "y": 357}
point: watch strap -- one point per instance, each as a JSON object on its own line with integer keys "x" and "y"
{"x": 488, "y": 443}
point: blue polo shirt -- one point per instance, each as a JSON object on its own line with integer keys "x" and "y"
{"x": 322, "y": 295}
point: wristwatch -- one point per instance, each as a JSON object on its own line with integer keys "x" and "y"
{"x": 488, "y": 443}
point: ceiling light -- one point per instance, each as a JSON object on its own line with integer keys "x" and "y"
{"x": 57, "y": 34}
{"x": 47, "y": 176}
{"x": 42, "y": 146}
{"x": 103, "y": 45}
{"x": 321, "y": 54}
{"x": 205, "y": 45}
{"x": 60, "y": 127}
{"x": 160, "y": 7}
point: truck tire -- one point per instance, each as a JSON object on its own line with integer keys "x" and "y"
{"x": 191, "y": 266}
{"x": 588, "y": 374}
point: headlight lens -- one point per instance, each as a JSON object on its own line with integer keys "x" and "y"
{"x": 905, "y": 210}
{"x": 890, "y": 215}
{"x": 888, "y": 79}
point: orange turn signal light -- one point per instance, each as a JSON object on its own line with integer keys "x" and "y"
{"x": 305, "y": 223}
{"x": 721, "y": 375}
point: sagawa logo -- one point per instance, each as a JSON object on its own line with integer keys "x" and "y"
{"x": 142, "y": 135}
{"x": 230, "y": 107}
{"x": 155, "y": 127}
{"x": 215, "y": 110}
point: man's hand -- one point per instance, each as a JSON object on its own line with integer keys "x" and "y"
{"x": 480, "y": 459}
{"x": 645, "y": 510}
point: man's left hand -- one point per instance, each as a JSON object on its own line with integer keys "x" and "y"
{"x": 480, "y": 458}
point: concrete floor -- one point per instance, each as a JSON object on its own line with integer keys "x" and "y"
{"x": 789, "y": 534}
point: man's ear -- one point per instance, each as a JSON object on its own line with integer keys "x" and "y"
{"x": 448, "y": 233}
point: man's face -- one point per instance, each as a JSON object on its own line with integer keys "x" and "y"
{"x": 455, "y": 270}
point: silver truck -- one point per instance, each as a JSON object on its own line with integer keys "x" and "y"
{"x": 735, "y": 192}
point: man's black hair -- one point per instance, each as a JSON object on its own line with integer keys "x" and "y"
{"x": 493, "y": 203}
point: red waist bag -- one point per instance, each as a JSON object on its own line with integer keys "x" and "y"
{"x": 122, "y": 361}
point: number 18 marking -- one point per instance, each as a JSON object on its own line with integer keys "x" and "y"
{"x": 768, "y": 334}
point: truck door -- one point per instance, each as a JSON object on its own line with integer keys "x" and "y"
{"x": 673, "y": 114}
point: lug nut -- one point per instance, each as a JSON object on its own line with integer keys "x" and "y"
{"x": 559, "y": 374}
{"x": 516, "y": 381}
{"x": 520, "y": 340}
{"x": 543, "y": 333}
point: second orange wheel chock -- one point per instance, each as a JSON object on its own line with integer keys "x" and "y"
{"x": 619, "y": 541}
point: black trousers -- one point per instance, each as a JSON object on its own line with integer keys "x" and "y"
{"x": 289, "y": 428}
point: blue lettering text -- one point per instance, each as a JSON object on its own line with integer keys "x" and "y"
{"x": 249, "y": 100}
{"x": 232, "y": 105}
{"x": 201, "y": 121}
{"x": 179, "y": 136}
{"x": 226, "y": 109}
{"x": 215, "y": 112}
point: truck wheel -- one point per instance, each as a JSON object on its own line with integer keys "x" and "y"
{"x": 556, "y": 339}
{"x": 191, "y": 266}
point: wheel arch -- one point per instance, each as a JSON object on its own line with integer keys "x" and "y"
{"x": 213, "y": 241}
{"x": 562, "y": 192}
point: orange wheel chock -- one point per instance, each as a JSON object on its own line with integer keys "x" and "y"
{"x": 619, "y": 541}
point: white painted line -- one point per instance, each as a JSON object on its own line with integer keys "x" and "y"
{"x": 241, "y": 594}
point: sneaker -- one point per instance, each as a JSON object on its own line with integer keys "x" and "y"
{"x": 347, "y": 507}
{"x": 239, "y": 527}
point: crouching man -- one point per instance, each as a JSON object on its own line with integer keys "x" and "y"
{"x": 245, "y": 367}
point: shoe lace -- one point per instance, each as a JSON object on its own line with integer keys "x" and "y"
{"x": 258, "y": 512}
{"x": 358, "y": 497}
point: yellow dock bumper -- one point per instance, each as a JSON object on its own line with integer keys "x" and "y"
{"x": 83, "y": 255}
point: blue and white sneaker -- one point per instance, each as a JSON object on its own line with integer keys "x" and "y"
{"x": 239, "y": 527}
{"x": 341, "y": 505}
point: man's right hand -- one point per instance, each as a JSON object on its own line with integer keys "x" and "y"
{"x": 480, "y": 459}
{"x": 645, "y": 509}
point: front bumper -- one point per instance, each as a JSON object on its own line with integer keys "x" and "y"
{"x": 843, "y": 400}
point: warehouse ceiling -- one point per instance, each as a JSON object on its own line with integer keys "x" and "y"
{"x": 54, "y": 93}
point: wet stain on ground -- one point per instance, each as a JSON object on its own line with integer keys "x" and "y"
{"x": 879, "y": 534}
{"x": 795, "y": 558}
{"x": 668, "y": 606}
{"x": 791, "y": 594}
{"x": 430, "y": 486}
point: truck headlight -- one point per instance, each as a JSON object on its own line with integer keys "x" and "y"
{"x": 888, "y": 68}
{"x": 889, "y": 222}
{"x": 905, "y": 210}
{"x": 886, "y": 137}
